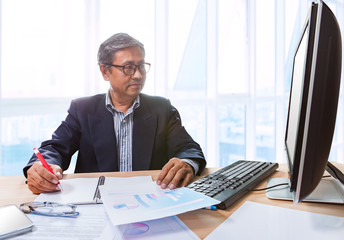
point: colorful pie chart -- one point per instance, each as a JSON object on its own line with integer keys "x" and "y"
{"x": 136, "y": 229}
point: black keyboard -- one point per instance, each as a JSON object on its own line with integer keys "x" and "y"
{"x": 230, "y": 183}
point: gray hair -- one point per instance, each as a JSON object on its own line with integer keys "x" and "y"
{"x": 115, "y": 43}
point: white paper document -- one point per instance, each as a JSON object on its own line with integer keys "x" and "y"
{"x": 149, "y": 201}
{"x": 90, "y": 224}
{"x": 169, "y": 228}
{"x": 259, "y": 221}
{"x": 82, "y": 190}
{"x": 94, "y": 224}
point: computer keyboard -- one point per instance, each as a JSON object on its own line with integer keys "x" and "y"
{"x": 230, "y": 183}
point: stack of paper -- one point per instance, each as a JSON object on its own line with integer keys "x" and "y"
{"x": 93, "y": 223}
{"x": 129, "y": 200}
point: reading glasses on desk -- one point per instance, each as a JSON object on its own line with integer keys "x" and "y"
{"x": 52, "y": 209}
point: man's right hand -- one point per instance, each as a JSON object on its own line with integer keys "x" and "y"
{"x": 39, "y": 179}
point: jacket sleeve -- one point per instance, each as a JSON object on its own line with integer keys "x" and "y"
{"x": 180, "y": 143}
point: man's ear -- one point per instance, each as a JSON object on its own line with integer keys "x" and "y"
{"x": 104, "y": 71}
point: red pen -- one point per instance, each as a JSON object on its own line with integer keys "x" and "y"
{"x": 45, "y": 164}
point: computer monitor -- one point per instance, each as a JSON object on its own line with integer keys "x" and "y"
{"x": 313, "y": 101}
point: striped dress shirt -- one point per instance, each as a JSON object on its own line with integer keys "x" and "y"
{"x": 123, "y": 125}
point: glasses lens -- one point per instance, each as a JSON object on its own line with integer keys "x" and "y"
{"x": 53, "y": 209}
{"x": 144, "y": 67}
{"x": 49, "y": 208}
{"x": 129, "y": 69}
{"x": 25, "y": 208}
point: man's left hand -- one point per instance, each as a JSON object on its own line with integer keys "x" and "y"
{"x": 176, "y": 173}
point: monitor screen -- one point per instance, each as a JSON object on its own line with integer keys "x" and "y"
{"x": 313, "y": 100}
{"x": 296, "y": 99}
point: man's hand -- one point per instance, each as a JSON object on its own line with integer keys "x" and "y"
{"x": 176, "y": 173}
{"x": 39, "y": 179}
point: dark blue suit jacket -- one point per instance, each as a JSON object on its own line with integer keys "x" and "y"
{"x": 89, "y": 128}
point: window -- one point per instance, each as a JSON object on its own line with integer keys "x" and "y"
{"x": 42, "y": 49}
{"x": 224, "y": 64}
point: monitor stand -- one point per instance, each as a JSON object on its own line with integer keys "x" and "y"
{"x": 328, "y": 191}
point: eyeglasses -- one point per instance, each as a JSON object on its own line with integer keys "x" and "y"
{"x": 52, "y": 209}
{"x": 130, "y": 69}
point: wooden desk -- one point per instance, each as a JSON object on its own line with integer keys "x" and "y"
{"x": 14, "y": 191}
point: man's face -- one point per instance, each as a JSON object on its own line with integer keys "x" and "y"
{"x": 126, "y": 87}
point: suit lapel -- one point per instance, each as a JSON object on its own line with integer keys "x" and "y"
{"x": 103, "y": 137}
{"x": 143, "y": 136}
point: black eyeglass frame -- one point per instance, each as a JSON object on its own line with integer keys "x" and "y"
{"x": 33, "y": 205}
{"x": 134, "y": 70}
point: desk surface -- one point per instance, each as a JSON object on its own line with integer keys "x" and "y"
{"x": 202, "y": 222}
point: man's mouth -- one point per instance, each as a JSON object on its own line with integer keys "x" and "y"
{"x": 135, "y": 85}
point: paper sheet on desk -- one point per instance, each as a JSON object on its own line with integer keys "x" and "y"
{"x": 149, "y": 201}
{"x": 93, "y": 223}
{"x": 81, "y": 190}
{"x": 169, "y": 228}
{"x": 90, "y": 224}
{"x": 260, "y": 221}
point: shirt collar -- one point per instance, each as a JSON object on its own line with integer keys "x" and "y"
{"x": 111, "y": 107}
